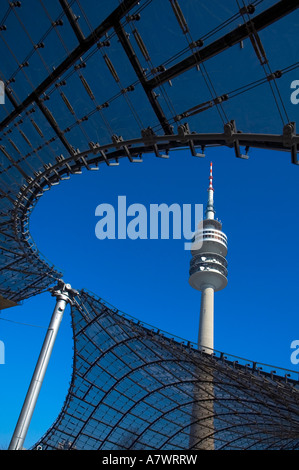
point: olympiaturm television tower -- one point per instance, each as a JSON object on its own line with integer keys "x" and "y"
{"x": 208, "y": 268}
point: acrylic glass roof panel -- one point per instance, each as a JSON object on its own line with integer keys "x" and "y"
{"x": 6, "y": 108}
{"x": 141, "y": 390}
{"x": 253, "y": 101}
{"x": 169, "y": 41}
{"x": 167, "y": 45}
{"x": 229, "y": 71}
{"x": 91, "y": 14}
{"x": 31, "y": 46}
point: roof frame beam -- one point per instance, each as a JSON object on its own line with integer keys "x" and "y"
{"x": 73, "y": 20}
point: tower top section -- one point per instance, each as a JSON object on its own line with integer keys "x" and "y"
{"x": 210, "y": 211}
{"x": 208, "y": 266}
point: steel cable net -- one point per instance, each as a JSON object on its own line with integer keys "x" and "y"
{"x": 133, "y": 388}
{"x": 85, "y": 85}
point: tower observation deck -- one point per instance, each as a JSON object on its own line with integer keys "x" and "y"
{"x": 208, "y": 268}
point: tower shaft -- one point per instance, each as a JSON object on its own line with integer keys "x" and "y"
{"x": 206, "y": 322}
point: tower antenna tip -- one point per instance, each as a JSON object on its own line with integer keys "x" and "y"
{"x": 211, "y": 177}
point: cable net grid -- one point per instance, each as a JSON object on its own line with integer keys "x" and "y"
{"x": 134, "y": 388}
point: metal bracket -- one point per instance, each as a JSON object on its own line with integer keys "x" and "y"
{"x": 148, "y": 137}
{"x": 118, "y": 141}
{"x": 289, "y": 132}
{"x": 61, "y": 159}
{"x": 95, "y": 150}
{"x": 184, "y": 132}
{"x": 230, "y": 131}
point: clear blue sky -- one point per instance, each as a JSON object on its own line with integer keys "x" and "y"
{"x": 256, "y": 316}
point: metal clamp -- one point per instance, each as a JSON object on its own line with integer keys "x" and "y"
{"x": 63, "y": 291}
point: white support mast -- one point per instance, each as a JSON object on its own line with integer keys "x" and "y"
{"x": 64, "y": 294}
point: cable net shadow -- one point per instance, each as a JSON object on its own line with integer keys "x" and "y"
{"x": 134, "y": 388}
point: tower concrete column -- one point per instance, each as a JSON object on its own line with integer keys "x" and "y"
{"x": 206, "y": 321}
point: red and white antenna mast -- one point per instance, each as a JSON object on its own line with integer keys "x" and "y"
{"x": 210, "y": 212}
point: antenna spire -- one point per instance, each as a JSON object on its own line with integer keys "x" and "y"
{"x": 210, "y": 212}
{"x": 211, "y": 177}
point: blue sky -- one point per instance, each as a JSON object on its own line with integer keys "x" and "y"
{"x": 256, "y": 316}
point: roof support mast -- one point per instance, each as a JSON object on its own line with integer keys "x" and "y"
{"x": 63, "y": 293}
